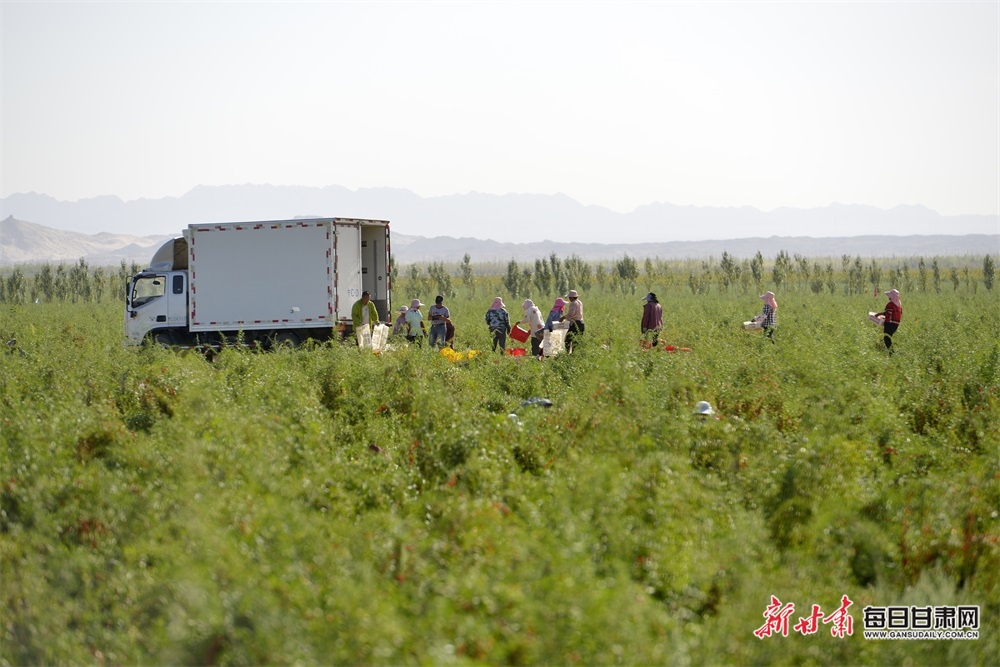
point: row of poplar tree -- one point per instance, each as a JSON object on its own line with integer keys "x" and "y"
{"x": 851, "y": 275}
{"x": 552, "y": 275}
{"x": 72, "y": 283}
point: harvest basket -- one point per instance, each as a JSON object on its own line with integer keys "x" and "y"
{"x": 519, "y": 334}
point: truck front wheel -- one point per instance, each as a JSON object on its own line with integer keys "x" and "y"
{"x": 163, "y": 338}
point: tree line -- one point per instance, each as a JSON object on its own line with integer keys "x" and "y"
{"x": 554, "y": 275}
{"x": 853, "y": 276}
{"x": 787, "y": 273}
{"x": 73, "y": 283}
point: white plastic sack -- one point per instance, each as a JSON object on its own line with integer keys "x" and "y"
{"x": 364, "y": 338}
{"x": 375, "y": 340}
{"x": 554, "y": 342}
{"x": 379, "y": 337}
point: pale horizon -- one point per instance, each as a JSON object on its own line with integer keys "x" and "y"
{"x": 618, "y": 105}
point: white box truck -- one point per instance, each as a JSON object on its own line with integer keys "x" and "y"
{"x": 259, "y": 283}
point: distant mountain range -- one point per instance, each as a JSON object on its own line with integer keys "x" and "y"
{"x": 29, "y": 243}
{"x": 511, "y": 218}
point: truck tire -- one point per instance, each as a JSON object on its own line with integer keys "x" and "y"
{"x": 285, "y": 339}
{"x": 164, "y": 339}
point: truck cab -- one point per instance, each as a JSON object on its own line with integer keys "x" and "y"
{"x": 156, "y": 303}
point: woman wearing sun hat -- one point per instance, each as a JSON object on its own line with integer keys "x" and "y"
{"x": 652, "y": 318}
{"x": 498, "y": 321}
{"x": 768, "y": 318}
{"x": 415, "y": 323}
{"x": 574, "y": 315}
{"x": 533, "y": 318}
{"x": 399, "y": 326}
{"x": 556, "y": 314}
{"x": 893, "y": 315}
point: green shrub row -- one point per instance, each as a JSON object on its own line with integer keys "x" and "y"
{"x": 327, "y": 506}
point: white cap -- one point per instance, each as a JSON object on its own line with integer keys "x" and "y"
{"x": 703, "y": 408}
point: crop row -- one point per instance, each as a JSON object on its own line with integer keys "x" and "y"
{"x": 326, "y": 505}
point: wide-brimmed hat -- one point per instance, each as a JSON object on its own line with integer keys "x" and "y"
{"x": 703, "y": 408}
{"x": 415, "y": 304}
{"x": 403, "y": 309}
{"x": 559, "y": 304}
{"x": 649, "y": 297}
{"x": 571, "y": 294}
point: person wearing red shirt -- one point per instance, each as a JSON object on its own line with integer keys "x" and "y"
{"x": 893, "y": 314}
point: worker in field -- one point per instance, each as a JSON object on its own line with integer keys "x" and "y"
{"x": 399, "y": 326}
{"x": 556, "y": 314}
{"x": 498, "y": 321}
{"x": 364, "y": 314}
{"x": 439, "y": 315}
{"x": 415, "y": 323}
{"x": 449, "y": 333}
{"x": 768, "y": 318}
{"x": 893, "y": 315}
{"x": 574, "y": 315}
{"x": 652, "y": 319}
{"x": 533, "y": 318}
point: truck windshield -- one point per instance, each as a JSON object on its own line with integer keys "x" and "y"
{"x": 147, "y": 288}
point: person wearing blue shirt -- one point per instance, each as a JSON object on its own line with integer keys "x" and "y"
{"x": 498, "y": 321}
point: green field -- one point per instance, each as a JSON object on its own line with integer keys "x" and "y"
{"x": 326, "y": 506}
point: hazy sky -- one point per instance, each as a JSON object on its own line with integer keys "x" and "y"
{"x": 618, "y": 104}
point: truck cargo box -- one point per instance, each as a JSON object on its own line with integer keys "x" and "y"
{"x": 273, "y": 274}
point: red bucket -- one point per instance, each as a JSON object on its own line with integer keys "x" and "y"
{"x": 519, "y": 334}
